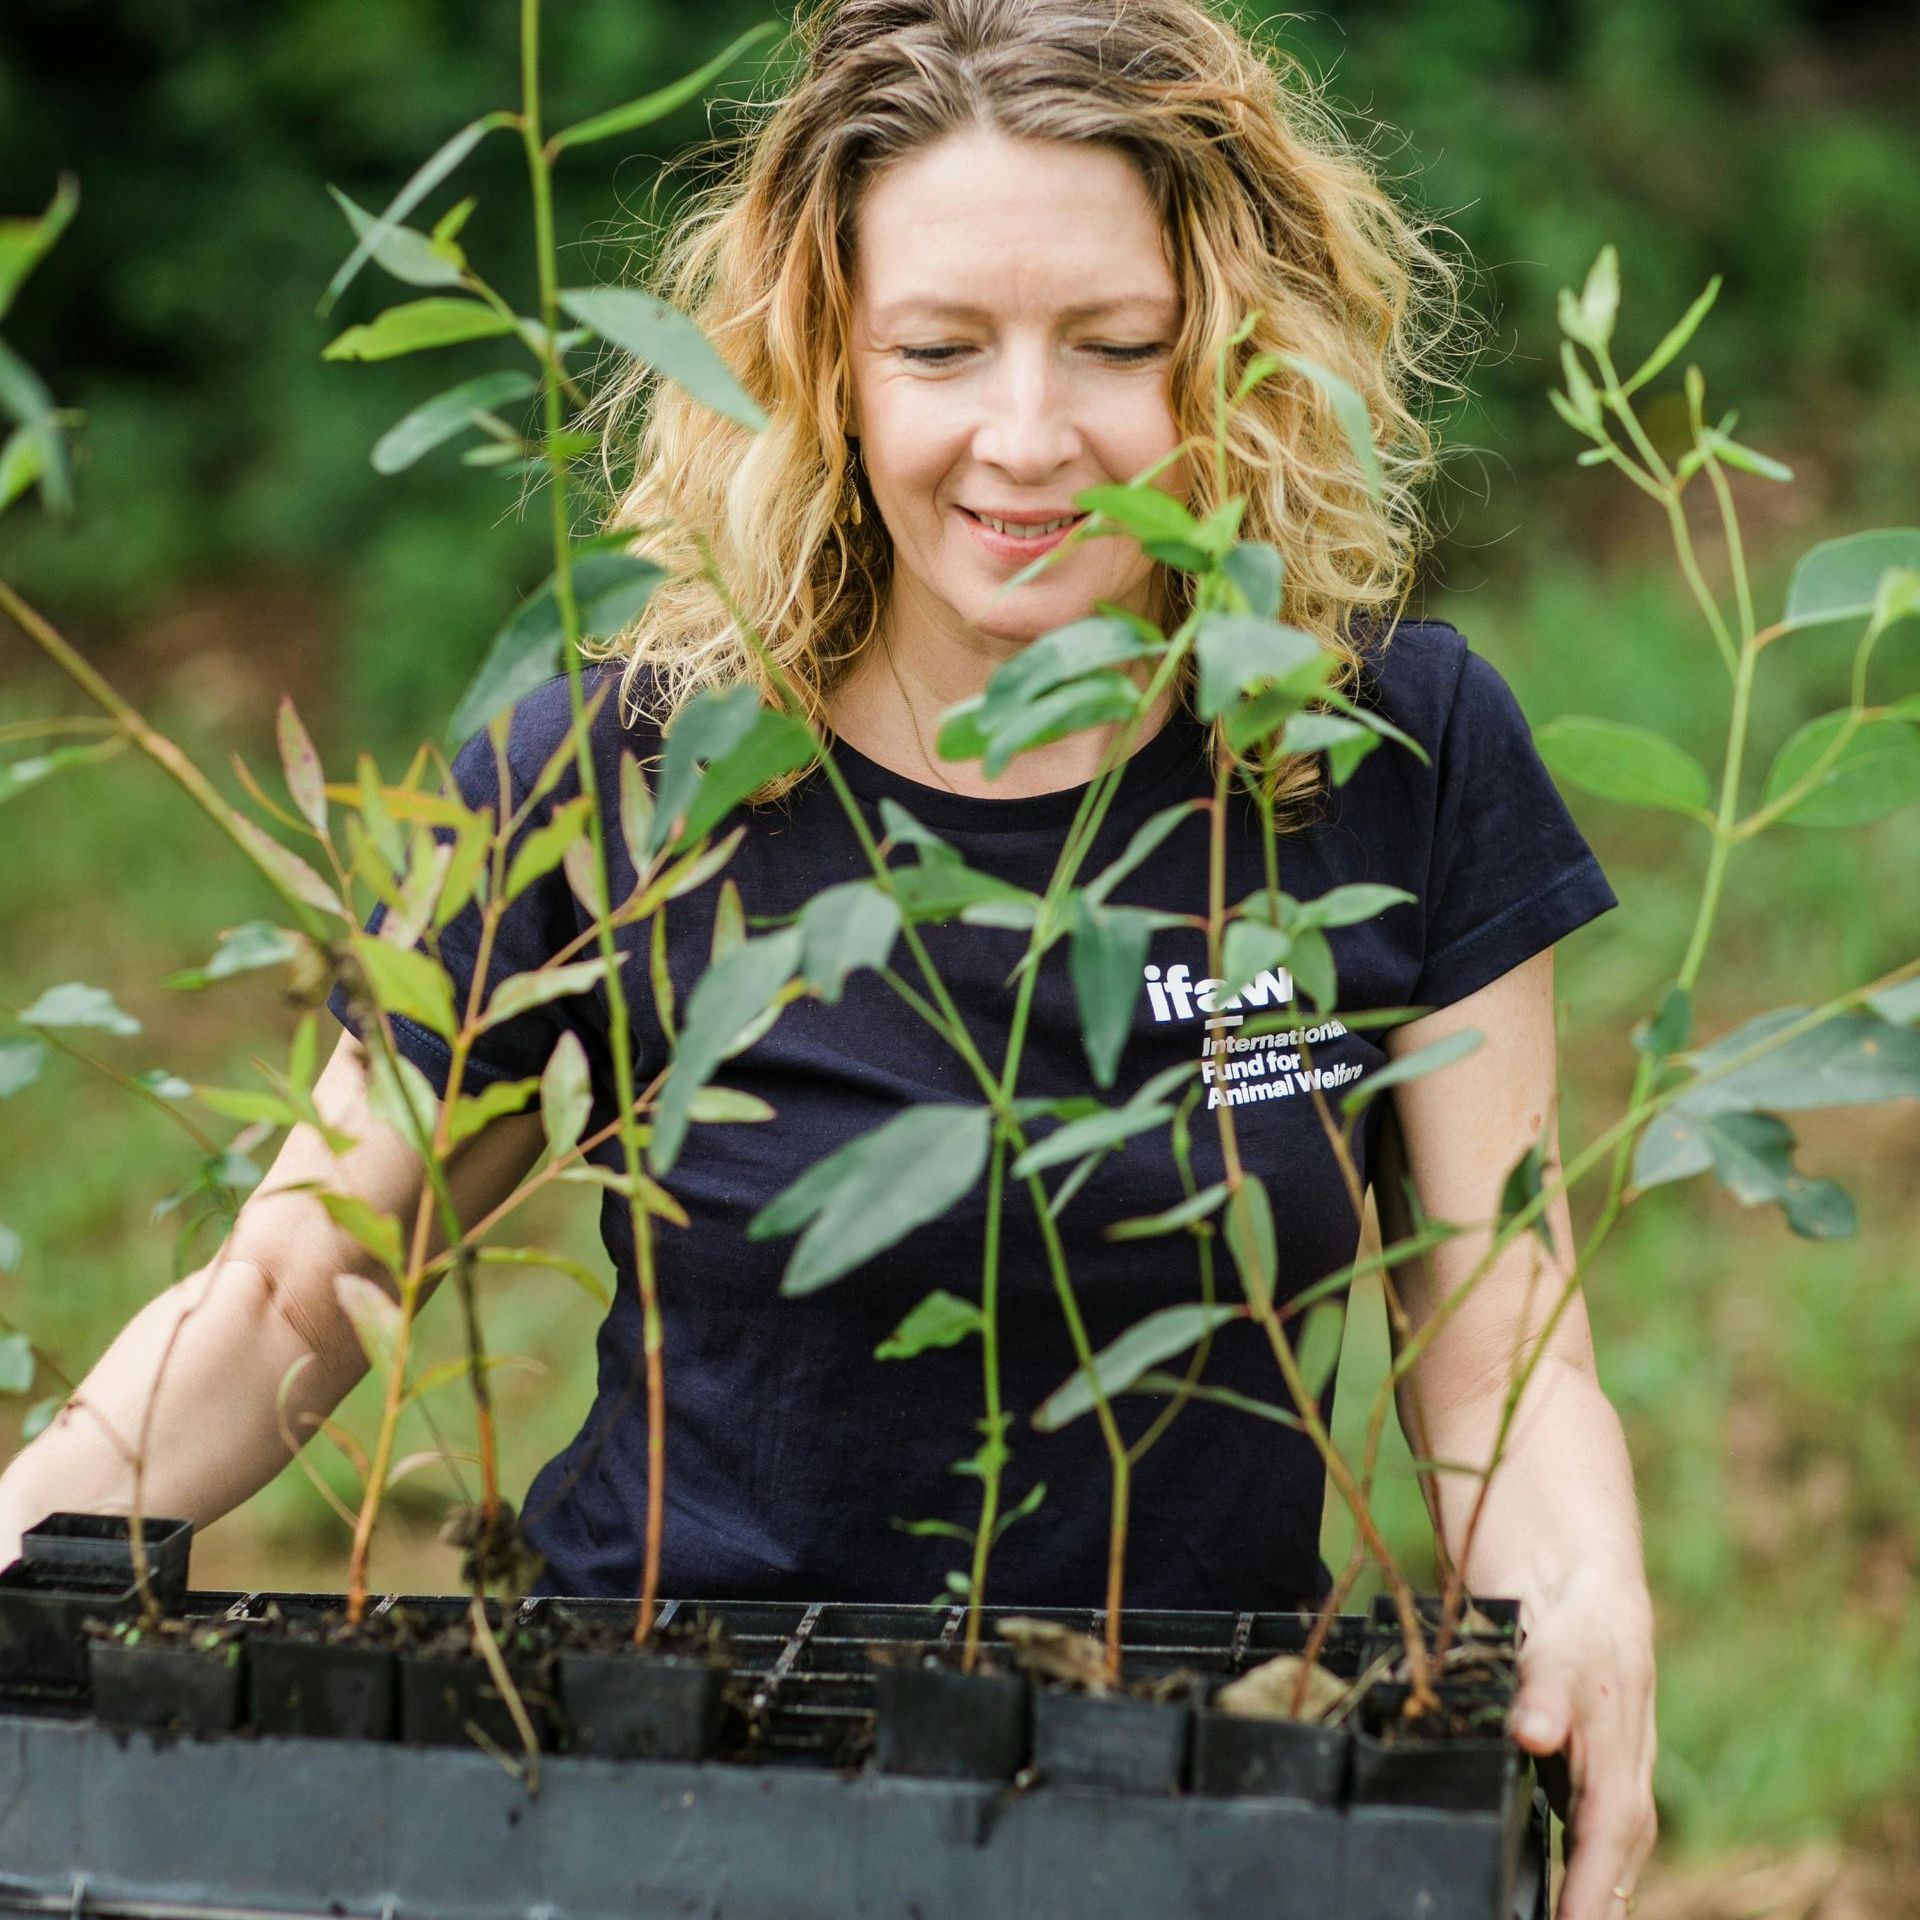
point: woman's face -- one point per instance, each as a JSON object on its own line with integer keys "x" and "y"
{"x": 1014, "y": 316}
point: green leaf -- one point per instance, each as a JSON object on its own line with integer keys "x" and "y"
{"x": 1753, "y": 1159}
{"x": 1257, "y": 569}
{"x": 253, "y": 944}
{"x": 730, "y": 995}
{"x": 1316, "y": 1347}
{"x": 1189, "y": 1212}
{"x": 1058, "y": 657}
{"x": 1143, "y": 510}
{"x": 407, "y": 255}
{"x": 407, "y": 981}
{"x": 377, "y": 1232}
{"x": 728, "y": 1106}
{"x": 375, "y": 1315}
{"x": 610, "y": 589}
{"x": 1237, "y": 652}
{"x": 667, "y": 341}
{"x": 28, "y": 771}
{"x": 729, "y": 921}
{"x": 1108, "y": 951}
{"x": 1745, "y": 458}
{"x": 16, "y": 1363}
{"x": 1347, "y": 906}
{"x": 721, "y": 748}
{"x": 844, "y": 928}
{"x": 1671, "y": 1027}
{"x": 1600, "y": 297}
{"x": 1311, "y": 963}
{"x": 942, "y": 1319}
{"x": 545, "y": 847}
{"x": 287, "y": 870}
{"x": 251, "y": 1104}
{"x": 1099, "y": 700}
{"x": 1350, "y": 411}
{"x": 1250, "y": 1238}
{"x": 1412, "y": 1066}
{"x": 1524, "y": 1185}
{"x": 1676, "y": 338}
{"x": 1248, "y": 949}
{"x": 566, "y": 1094}
{"x": 535, "y": 989}
{"x": 301, "y": 764}
{"x": 40, "y": 1417}
{"x": 1104, "y": 1127}
{"x": 1851, "y": 1059}
{"x": 1839, "y": 580}
{"x": 1029, "y": 1506}
{"x": 25, "y": 243}
{"x": 425, "y": 178}
{"x": 417, "y": 325}
{"x": 24, "y": 395}
{"x": 650, "y": 107}
{"x": 636, "y": 811}
{"x": 1633, "y": 764}
{"x": 20, "y": 1064}
{"x": 871, "y": 1193}
{"x": 1898, "y": 1005}
{"x": 74, "y": 1005}
{"x": 1144, "y": 1345}
{"x": 399, "y": 1094}
{"x": 475, "y": 1112}
{"x": 1876, "y": 773}
{"x": 10, "y": 1250}
{"x": 436, "y": 421}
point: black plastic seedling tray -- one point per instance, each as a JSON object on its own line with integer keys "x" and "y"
{"x": 795, "y": 1821}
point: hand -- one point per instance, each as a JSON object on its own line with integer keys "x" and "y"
{"x": 1586, "y": 1693}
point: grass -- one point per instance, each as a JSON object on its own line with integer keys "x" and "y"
{"x": 1770, "y": 1387}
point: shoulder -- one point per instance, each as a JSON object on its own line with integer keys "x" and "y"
{"x": 624, "y": 719}
{"x": 1412, "y": 673}
{"x": 1425, "y": 678}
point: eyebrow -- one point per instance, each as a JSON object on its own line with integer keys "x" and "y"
{"x": 934, "y": 308}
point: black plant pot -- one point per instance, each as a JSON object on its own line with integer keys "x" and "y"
{"x": 169, "y": 1685}
{"x": 937, "y": 1722}
{"x": 322, "y": 1692}
{"x": 641, "y": 1706}
{"x": 450, "y": 1700}
{"x": 95, "y": 1550}
{"x": 1467, "y": 1764}
{"x": 1235, "y": 1754}
{"x": 1108, "y": 1740}
{"x": 73, "y": 1568}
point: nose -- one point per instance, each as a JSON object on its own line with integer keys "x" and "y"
{"x": 1026, "y": 427}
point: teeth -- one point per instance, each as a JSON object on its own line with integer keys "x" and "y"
{"x": 1025, "y": 529}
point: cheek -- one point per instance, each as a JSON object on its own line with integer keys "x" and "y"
{"x": 909, "y": 446}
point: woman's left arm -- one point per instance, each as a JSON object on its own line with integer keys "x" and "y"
{"x": 1559, "y": 1529}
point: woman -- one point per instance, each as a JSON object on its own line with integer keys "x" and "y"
{"x": 979, "y": 260}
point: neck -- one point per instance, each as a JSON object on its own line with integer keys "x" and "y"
{"x": 922, "y": 661}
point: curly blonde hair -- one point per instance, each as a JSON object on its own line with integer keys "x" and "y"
{"x": 1268, "y": 205}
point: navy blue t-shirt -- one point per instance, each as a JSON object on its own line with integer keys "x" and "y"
{"x": 790, "y": 1448}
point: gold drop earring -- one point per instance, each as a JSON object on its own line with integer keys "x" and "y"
{"x": 853, "y": 480}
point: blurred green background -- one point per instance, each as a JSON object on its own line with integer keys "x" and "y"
{"x": 233, "y": 543}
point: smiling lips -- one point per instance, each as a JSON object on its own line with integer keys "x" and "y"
{"x": 1023, "y": 536}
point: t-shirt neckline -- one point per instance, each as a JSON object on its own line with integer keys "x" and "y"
{"x": 1177, "y": 742}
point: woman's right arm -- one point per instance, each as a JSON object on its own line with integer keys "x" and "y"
{"x": 220, "y": 1341}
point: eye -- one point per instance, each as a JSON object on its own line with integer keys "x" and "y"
{"x": 1110, "y": 351}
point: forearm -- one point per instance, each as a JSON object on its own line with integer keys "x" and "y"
{"x": 1561, "y": 1500}
{"x": 218, "y": 1344}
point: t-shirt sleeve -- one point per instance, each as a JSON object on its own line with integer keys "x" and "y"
{"x": 1510, "y": 873}
{"x": 536, "y": 925}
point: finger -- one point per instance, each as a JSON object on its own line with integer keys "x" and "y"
{"x": 1606, "y": 1846}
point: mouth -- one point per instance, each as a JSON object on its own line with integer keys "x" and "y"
{"x": 1030, "y": 534}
